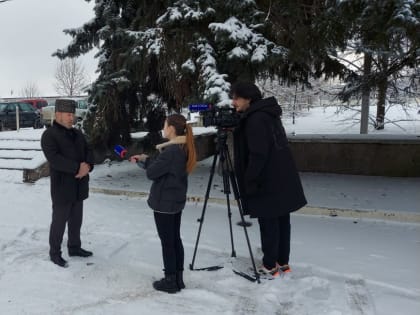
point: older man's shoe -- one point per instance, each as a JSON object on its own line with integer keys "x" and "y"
{"x": 167, "y": 284}
{"x": 59, "y": 261}
{"x": 80, "y": 252}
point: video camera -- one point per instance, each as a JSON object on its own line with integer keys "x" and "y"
{"x": 221, "y": 117}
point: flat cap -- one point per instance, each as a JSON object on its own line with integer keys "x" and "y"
{"x": 65, "y": 106}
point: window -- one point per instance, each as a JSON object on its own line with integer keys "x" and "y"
{"x": 82, "y": 104}
{"x": 25, "y": 107}
{"x": 11, "y": 107}
{"x": 41, "y": 104}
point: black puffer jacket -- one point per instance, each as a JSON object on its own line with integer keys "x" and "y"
{"x": 65, "y": 149}
{"x": 168, "y": 192}
{"x": 268, "y": 180}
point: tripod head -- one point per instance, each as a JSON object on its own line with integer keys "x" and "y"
{"x": 222, "y": 135}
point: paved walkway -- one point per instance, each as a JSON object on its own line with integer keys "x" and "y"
{"x": 328, "y": 194}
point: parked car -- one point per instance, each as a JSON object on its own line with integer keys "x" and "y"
{"x": 36, "y": 103}
{"x": 28, "y": 117}
{"x": 48, "y": 112}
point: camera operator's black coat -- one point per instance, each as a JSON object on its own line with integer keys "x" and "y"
{"x": 268, "y": 180}
{"x": 65, "y": 149}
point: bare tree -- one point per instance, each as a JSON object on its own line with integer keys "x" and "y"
{"x": 30, "y": 90}
{"x": 70, "y": 77}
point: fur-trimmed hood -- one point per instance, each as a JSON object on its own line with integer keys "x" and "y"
{"x": 176, "y": 140}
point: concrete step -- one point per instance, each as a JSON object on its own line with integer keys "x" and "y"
{"x": 20, "y": 145}
{"x": 17, "y": 154}
{"x": 21, "y": 160}
{"x": 21, "y": 150}
{"x": 22, "y": 153}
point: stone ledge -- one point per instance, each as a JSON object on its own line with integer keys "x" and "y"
{"x": 32, "y": 175}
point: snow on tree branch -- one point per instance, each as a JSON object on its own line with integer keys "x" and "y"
{"x": 216, "y": 87}
{"x": 183, "y": 12}
{"x": 150, "y": 40}
{"x": 248, "y": 42}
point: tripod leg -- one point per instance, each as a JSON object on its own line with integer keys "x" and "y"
{"x": 201, "y": 220}
{"x": 226, "y": 189}
{"x": 234, "y": 183}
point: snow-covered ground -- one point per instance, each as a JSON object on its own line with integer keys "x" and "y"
{"x": 333, "y": 120}
{"x": 340, "y": 265}
{"x": 364, "y": 193}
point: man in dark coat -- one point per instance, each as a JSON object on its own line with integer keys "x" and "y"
{"x": 268, "y": 180}
{"x": 70, "y": 161}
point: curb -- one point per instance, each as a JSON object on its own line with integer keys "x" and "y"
{"x": 398, "y": 216}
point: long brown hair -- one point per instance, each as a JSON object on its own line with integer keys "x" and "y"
{"x": 183, "y": 129}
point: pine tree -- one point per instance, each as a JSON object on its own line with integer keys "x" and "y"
{"x": 387, "y": 32}
{"x": 169, "y": 53}
{"x": 313, "y": 35}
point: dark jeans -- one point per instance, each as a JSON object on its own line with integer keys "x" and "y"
{"x": 72, "y": 214}
{"x": 168, "y": 227}
{"x": 275, "y": 240}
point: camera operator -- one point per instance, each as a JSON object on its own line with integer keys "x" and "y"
{"x": 268, "y": 180}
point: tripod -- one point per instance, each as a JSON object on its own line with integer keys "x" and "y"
{"x": 229, "y": 178}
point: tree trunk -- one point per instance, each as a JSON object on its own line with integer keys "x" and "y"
{"x": 380, "y": 107}
{"x": 382, "y": 88}
{"x": 364, "y": 120}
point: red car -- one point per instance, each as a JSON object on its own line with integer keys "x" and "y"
{"x": 36, "y": 103}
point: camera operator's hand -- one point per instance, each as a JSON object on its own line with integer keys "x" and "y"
{"x": 138, "y": 158}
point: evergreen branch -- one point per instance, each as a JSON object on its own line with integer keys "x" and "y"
{"x": 347, "y": 61}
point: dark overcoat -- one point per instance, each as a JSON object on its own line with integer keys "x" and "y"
{"x": 168, "y": 192}
{"x": 268, "y": 180}
{"x": 65, "y": 149}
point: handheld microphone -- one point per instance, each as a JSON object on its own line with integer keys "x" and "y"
{"x": 120, "y": 151}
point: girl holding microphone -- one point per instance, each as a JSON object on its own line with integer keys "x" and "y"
{"x": 169, "y": 173}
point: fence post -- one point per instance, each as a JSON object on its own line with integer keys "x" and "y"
{"x": 17, "y": 117}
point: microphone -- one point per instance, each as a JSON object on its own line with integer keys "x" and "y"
{"x": 120, "y": 151}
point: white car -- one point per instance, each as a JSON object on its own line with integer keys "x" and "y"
{"x": 48, "y": 112}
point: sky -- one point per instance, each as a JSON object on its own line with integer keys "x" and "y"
{"x": 30, "y": 31}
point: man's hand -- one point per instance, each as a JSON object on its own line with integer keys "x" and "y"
{"x": 84, "y": 169}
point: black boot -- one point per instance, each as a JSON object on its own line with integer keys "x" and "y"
{"x": 180, "y": 280}
{"x": 59, "y": 261}
{"x": 167, "y": 284}
{"x": 78, "y": 251}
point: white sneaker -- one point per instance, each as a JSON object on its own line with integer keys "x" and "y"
{"x": 269, "y": 273}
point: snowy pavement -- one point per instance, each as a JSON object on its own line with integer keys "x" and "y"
{"x": 340, "y": 265}
{"x": 367, "y": 195}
